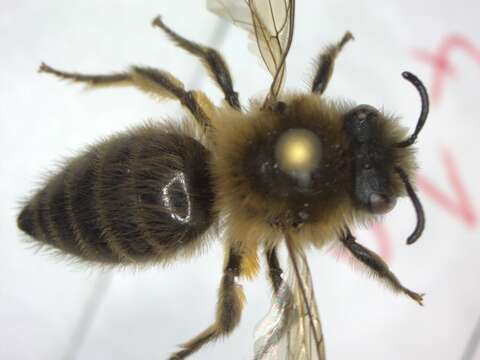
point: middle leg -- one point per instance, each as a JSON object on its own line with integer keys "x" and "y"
{"x": 211, "y": 59}
{"x": 275, "y": 271}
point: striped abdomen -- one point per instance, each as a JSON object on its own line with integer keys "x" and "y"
{"x": 145, "y": 195}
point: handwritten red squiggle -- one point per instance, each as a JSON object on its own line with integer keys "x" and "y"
{"x": 384, "y": 243}
{"x": 460, "y": 206}
{"x": 441, "y": 61}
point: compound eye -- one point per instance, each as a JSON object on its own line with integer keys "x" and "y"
{"x": 381, "y": 204}
{"x": 359, "y": 122}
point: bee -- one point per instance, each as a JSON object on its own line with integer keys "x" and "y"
{"x": 291, "y": 168}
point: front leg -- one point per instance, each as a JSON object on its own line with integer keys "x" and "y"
{"x": 378, "y": 266}
{"x": 229, "y": 309}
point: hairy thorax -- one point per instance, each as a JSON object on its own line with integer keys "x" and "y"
{"x": 285, "y": 168}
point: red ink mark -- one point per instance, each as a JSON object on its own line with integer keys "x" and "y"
{"x": 441, "y": 62}
{"x": 384, "y": 243}
{"x": 460, "y": 205}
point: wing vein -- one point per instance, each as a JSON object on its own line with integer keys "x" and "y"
{"x": 270, "y": 25}
{"x": 317, "y": 338}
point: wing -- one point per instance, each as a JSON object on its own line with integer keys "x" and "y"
{"x": 270, "y": 24}
{"x": 305, "y": 337}
{"x": 292, "y": 330}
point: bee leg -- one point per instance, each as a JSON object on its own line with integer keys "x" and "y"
{"x": 160, "y": 84}
{"x": 378, "y": 266}
{"x": 211, "y": 59}
{"x": 275, "y": 271}
{"x": 326, "y": 63}
{"x": 229, "y": 309}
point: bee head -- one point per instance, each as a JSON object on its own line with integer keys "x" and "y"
{"x": 378, "y": 161}
{"x": 372, "y": 160}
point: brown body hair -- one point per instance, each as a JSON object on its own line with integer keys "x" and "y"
{"x": 259, "y": 208}
{"x": 141, "y": 196}
{"x": 292, "y": 167}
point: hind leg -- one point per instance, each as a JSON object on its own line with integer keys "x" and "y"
{"x": 229, "y": 309}
{"x": 157, "y": 83}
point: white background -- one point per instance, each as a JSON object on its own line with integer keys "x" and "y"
{"x": 143, "y": 315}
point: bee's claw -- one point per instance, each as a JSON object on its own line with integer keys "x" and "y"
{"x": 416, "y": 296}
{"x": 44, "y": 68}
{"x": 157, "y": 21}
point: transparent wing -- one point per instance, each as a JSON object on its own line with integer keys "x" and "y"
{"x": 288, "y": 332}
{"x": 305, "y": 337}
{"x": 270, "y": 24}
{"x": 271, "y": 332}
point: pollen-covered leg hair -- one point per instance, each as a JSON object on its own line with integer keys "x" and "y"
{"x": 157, "y": 83}
{"x": 377, "y": 265}
{"x": 326, "y": 64}
{"x": 211, "y": 59}
{"x": 229, "y": 309}
{"x": 274, "y": 269}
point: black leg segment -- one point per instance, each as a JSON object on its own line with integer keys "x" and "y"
{"x": 229, "y": 309}
{"x": 326, "y": 64}
{"x": 274, "y": 269}
{"x": 211, "y": 59}
{"x": 377, "y": 266}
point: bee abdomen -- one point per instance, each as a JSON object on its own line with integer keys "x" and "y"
{"x": 116, "y": 200}
{"x": 44, "y": 217}
{"x": 81, "y": 209}
{"x": 172, "y": 183}
{"x": 63, "y": 215}
{"x": 142, "y": 196}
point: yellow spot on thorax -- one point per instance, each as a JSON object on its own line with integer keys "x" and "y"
{"x": 298, "y": 150}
